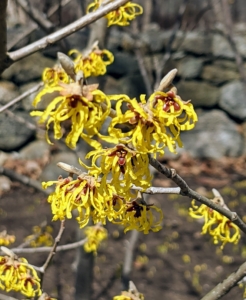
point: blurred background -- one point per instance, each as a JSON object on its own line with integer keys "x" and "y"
{"x": 206, "y": 41}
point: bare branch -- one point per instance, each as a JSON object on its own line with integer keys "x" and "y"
{"x": 64, "y": 32}
{"x": 66, "y": 247}
{"x": 224, "y": 287}
{"x": 21, "y": 97}
{"x": 188, "y": 192}
{"x": 157, "y": 190}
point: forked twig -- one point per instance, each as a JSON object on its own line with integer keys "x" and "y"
{"x": 225, "y": 286}
{"x": 36, "y": 16}
{"x": 54, "y": 247}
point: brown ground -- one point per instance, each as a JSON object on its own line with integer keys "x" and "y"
{"x": 161, "y": 269}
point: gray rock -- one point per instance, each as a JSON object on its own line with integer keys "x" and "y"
{"x": 221, "y": 47}
{"x": 240, "y": 41}
{"x": 52, "y": 171}
{"x": 190, "y": 67}
{"x": 112, "y": 86}
{"x": 214, "y": 136}
{"x": 153, "y": 39}
{"x": 197, "y": 42}
{"x": 132, "y": 85}
{"x": 218, "y": 75}
{"x": 13, "y": 133}
{"x": 27, "y": 102}
{"x": 45, "y": 101}
{"x": 201, "y": 94}
{"x": 27, "y": 69}
{"x": 8, "y": 92}
{"x": 124, "y": 64}
{"x": 151, "y": 60}
{"x": 34, "y": 150}
{"x": 225, "y": 64}
{"x": 232, "y": 99}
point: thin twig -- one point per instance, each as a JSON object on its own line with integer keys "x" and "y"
{"x": 21, "y": 120}
{"x": 24, "y": 179}
{"x": 64, "y": 32}
{"x": 54, "y": 247}
{"x": 143, "y": 71}
{"x": 185, "y": 190}
{"x": 66, "y": 247}
{"x": 36, "y": 16}
{"x": 35, "y": 236}
{"x": 22, "y": 96}
{"x": 127, "y": 266}
{"x": 224, "y": 287}
{"x": 157, "y": 190}
{"x": 159, "y": 66}
{"x": 228, "y": 32}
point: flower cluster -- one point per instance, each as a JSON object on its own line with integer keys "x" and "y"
{"x": 95, "y": 235}
{"x": 153, "y": 124}
{"x": 121, "y": 16}
{"x": 41, "y": 236}
{"x": 98, "y": 200}
{"x": 6, "y": 239}
{"x": 218, "y": 226}
{"x": 17, "y": 275}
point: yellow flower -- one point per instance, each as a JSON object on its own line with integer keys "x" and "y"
{"x": 145, "y": 133}
{"x": 172, "y": 111}
{"x": 84, "y": 194}
{"x": 95, "y": 235}
{"x": 16, "y": 274}
{"x": 93, "y": 63}
{"x": 52, "y": 76}
{"x": 126, "y": 167}
{"x": 121, "y": 16}
{"x": 97, "y": 200}
{"x": 140, "y": 217}
{"x": 217, "y": 225}
{"x": 6, "y": 239}
{"x": 40, "y": 237}
{"x": 81, "y": 105}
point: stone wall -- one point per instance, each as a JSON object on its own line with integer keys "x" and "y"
{"x": 207, "y": 74}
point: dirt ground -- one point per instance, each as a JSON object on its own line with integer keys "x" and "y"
{"x": 176, "y": 263}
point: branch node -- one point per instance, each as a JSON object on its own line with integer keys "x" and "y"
{"x": 173, "y": 173}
